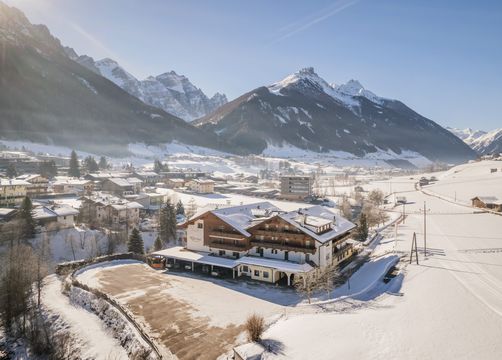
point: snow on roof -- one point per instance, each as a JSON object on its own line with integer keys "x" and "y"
{"x": 6, "y": 211}
{"x": 250, "y": 350}
{"x": 120, "y": 182}
{"x": 487, "y": 199}
{"x": 66, "y": 181}
{"x": 134, "y": 180}
{"x": 316, "y": 216}
{"x": 280, "y": 265}
{"x": 242, "y": 217}
{"x": 127, "y": 205}
{"x": 203, "y": 181}
{"x": 28, "y": 177}
{"x": 146, "y": 173}
{"x": 42, "y": 212}
{"x": 13, "y": 182}
{"x": 65, "y": 211}
{"x": 180, "y": 253}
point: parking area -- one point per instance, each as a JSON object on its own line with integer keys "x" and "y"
{"x": 193, "y": 318}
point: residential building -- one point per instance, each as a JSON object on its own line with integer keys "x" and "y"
{"x": 261, "y": 242}
{"x": 296, "y": 187}
{"x": 110, "y": 211}
{"x": 201, "y": 186}
{"x": 122, "y": 186}
{"x": 38, "y": 184}
{"x": 175, "y": 183}
{"x": 12, "y": 192}
{"x": 487, "y": 202}
{"x": 63, "y": 216}
{"x": 149, "y": 178}
{"x": 65, "y": 185}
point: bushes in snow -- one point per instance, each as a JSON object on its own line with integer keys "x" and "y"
{"x": 255, "y": 326}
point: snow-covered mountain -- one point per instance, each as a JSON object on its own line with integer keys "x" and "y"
{"x": 169, "y": 91}
{"x": 305, "y": 112}
{"x": 488, "y": 143}
{"x": 480, "y": 141}
{"x": 47, "y": 98}
{"x": 468, "y": 135}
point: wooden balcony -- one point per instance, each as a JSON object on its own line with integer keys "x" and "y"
{"x": 282, "y": 245}
{"x": 280, "y": 234}
{"x": 228, "y": 245}
{"x": 223, "y": 234}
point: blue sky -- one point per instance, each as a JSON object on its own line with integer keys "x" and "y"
{"x": 442, "y": 58}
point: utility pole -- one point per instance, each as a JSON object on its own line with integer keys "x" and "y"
{"x": 404, "y": 211}
{"x": 414, "y": 247}
{"x": 395, "y": 237}
{"x": 425, "y": 210}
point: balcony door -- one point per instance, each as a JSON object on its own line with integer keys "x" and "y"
{"x": 286, "y": 255}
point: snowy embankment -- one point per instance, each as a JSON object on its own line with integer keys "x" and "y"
{"x": 93, "y": 340}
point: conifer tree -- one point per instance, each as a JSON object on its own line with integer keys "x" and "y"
{"x": 180, "y": 210}
{"x": 90, "y": 164}
{"x": 103, "y": 164}
{"x": 135, "y": 243}
{"x": 167, "y": 223}
{"x": 11, "y": 171}
{"x": 362, "y": 228}
{"x": 25, "y": 214}
{"x": 157, "y": 245}
{"x": 48, "y": 169}
{"x": 74, "y": 165}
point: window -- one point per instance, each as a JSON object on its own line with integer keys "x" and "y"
{"x": 256, "y": 273}
{"x": 265, "y": 274}
{"x": 235, "y": 254}
{"x": 200, "y": 225}
{"x": 222, "y": 252}
{"x": 245, "y": 268}
{"x": 307, "y": 243}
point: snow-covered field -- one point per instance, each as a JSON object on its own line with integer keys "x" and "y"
{"x": 467, "y": 181}
{"x": 451, "y": 306}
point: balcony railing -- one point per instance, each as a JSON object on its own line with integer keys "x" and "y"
{"x": 282, "y": 245}
{"x": 293, "y": 235}
{"x": 239, "y": 246}
{"x": 225, "y": 234}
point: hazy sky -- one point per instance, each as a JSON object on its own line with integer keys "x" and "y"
{"x": 442, "y": 58}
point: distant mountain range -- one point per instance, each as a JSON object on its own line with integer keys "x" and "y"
{"x": 47, "y": 97}
{"x": 481, "y": 141}
{"x": 169, "y": 91}
{"x": 49, "y": 94}
{"x": 306, "y": 112}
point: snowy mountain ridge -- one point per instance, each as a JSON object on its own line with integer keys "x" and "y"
{"x": 488, "y": 143}
{"x": 303, "y": 111}
{"x": 305, "y": 80}
{"x": 169, "y": 91}
{"x": 480, "y": 141}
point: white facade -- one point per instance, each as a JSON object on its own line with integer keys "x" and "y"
{"x": 195, "y": 237}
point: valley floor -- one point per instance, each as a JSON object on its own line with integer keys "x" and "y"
{"x": 451, "y": 306}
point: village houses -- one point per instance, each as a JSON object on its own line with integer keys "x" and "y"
{"x": 12, "y": 192}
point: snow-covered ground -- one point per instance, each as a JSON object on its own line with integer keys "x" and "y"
{"x": 464, "y": 182}
{"x": 451, "y": 303}
{"x": 94, "y": 341}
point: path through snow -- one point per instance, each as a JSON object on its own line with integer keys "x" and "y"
{"x": 96, "y": 342}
